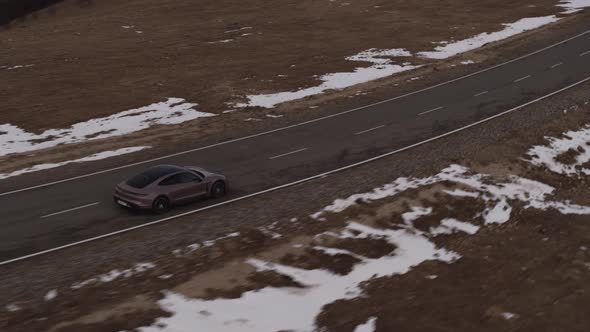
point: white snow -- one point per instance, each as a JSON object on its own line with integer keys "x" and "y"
{"x": 368, "y": 326}
{"x": 295, "y": 309}
{"x": 115, "y": 274}
{"x": 510, "y": 29}
{"x": 266, "y": 231}
{"x": 173, "y": 111}
{"x": 237, "y": 30}
{"x": 223, "y": 41}
{"x": 382, "y": 67}
{"x": 193, "y": 247}
{"x": 19, "y": 66}
{"x": 573, "y": 6}
{"x": 337, "y": 251}
{"x": 12, "y": 308}
{"x": 451, "y": 225}
{"x": 415, "y": 214}
{"x": 209, "y": 243}
{"x": 52, "y": 294}
{"x": 499, "y": 214}
{"x": 508, "y": 315}
{"x": 532, "y": 194}
{"x": 544, "y": 155}
{"x": 94, "y": 157}
{"x": 462, "y": 193}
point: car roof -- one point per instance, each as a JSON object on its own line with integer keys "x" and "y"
{"x": 157, "y": 172}
{"x": 152, "y": 174}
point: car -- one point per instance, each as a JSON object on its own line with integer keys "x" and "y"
{"x": 159, "y": 188}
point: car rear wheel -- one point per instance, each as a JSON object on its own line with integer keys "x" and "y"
{"x": 218, "y": 189}
{"x": 161, "y": 205}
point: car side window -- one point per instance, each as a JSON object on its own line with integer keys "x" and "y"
{"x": 189, "y": 177}
{"x": 171, "y": 180}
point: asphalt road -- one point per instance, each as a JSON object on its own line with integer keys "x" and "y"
{"x": 43, "y": 218}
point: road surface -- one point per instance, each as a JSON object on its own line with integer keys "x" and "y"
{"x": 43, "y": 218}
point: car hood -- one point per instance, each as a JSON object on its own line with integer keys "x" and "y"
{"x": 201, "y": 170}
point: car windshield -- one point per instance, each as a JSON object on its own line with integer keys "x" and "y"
{"x": 150, "y": 175}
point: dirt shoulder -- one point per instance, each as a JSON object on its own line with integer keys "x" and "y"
{"x": 527, "y": 273}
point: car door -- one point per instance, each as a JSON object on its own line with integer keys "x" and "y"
{"x": 173, "y": 187}
{"x": 195, "y": 187}
{"x": 184, "y": 186}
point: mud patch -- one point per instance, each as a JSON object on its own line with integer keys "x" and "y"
{"x": 340, "y": 264}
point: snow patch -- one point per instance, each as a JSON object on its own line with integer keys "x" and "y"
{"x": 19, "y": 66}
{"x": 115, "y": 274}
{"x": 52, "y": 294}
{"x": 510, "y": 29}
{"x": 369, "y": 326}
{"x": 237, "y": 30}
{"x": 415, "y": 214}
{"x": 382, "y": 67}
{"x": 295, "y": 309}
{"x": 94, "y": 157}
{"x": 451, "y": 225}
{"x": 508, "y": 315}
{"x": 573, "y": 6}
{"x": 577, "y": 140}
{"x": 12, "y": 308}
{"x": 171, "y": 112}
{"x": 532, "y": 194}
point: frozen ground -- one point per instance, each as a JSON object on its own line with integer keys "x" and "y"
{"x": 384, "y": 67}
{"x": 173, "y": 111}
{"x": 94, "y": 157}
{"x": 567, "y": 155}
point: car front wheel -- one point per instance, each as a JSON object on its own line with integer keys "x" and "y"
{"x": 218, "y": 189}
{"x": 161, "y": 205}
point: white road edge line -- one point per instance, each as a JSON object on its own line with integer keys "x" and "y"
{"x": 301, "y": 123}
{"x": 287, "y": 185}
{"x": 69, "y": 210}
{"x": 557, "y": 65}
{"x": 370, "y": 129}
{"x": 288, "y": 153}
{"x": 432, "y": 110}
{"x": 481, "y": 93}
{"x": 585, "y": 53}
{"x": 522, "y": 78}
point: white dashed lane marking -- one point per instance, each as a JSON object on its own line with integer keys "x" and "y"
{"x": 368, "y": 130}
{"x": 288, "y": 153}
{"x": 69, "y": 210}
{"x": 432, "y": 110}
{"x": 522, "y": 79}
